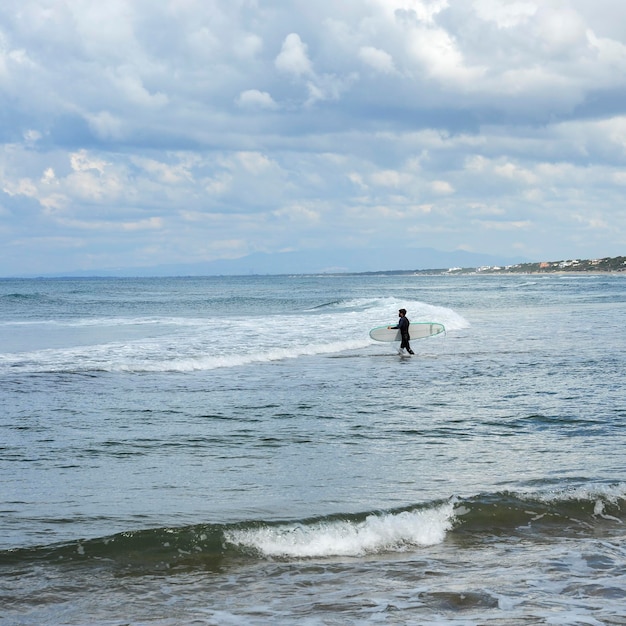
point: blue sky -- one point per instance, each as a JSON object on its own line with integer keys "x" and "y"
{"x": 135, "y": 133}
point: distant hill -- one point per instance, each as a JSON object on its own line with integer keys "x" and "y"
{"x": 607, "y": 264}
{"x": 369, "y": 261}
{"x": 325, "y": 261}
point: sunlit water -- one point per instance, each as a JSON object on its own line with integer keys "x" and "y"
{"x": 239, "y": 451}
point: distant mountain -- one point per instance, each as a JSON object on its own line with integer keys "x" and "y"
{"x": 316, "y": 262}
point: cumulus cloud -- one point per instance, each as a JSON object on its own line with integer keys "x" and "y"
{"x": 253, "y": 98}
{"x": 81, "y": 161}
{"x": 505, "y": 14}
{"x": 293, "y": 58}
{"x": 377, "y": 59}
{"x": 442, "y": 187}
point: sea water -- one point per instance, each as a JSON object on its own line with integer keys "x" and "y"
{"x": 237, "y": 450}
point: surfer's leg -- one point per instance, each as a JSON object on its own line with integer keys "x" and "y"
{"x": 407, "y": 345}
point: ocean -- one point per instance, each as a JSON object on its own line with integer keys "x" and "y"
{"x": 237, "y": 450}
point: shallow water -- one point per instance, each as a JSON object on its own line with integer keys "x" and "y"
{"x": 238, "y": 451}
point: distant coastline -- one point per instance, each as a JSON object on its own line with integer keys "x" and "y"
{"x": 586, "y": 266}
{"x": 606, "y": 265}
{"x": 579, "y": 266}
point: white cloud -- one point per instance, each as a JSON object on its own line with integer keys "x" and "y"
{"x": 298, "y": 212}
{"x": 220, "y": 184}
{"x": 515, "y": 173}
{"x": 357, "y": 179}
{"x": 423, "y": 10}
{"x": 82, "y": 161}
{"x": 505, "y": 14}
{"x": 442, "y": 187}
{"x": 253, "y": 98}
{"x": 254, "y": 163}
{"x": 591, "y": 219}
{"x": 377, "y": 59}
{"x": 620, "y": 177}
{"x": 293, "y": 57}
{"x": 390, "y": 178}
{"x": 49, "y": 176}
{"x": 561, "y": 30}
{"x": 166, "y": 173}
{"x": 506, "y": 225}
{"x": 152, "y": 223}
{"x": 105, "y": 125}
{"x": 130, "y": 86}
{"x": 31, "y": 137}
{"x": 248, "y": 45}
{"x": 21, "y": 187}
{"x": 440, "y": 57}
{"x": 478, "y": 208}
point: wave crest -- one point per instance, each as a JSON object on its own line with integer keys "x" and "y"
{"x": 377, "y": 533}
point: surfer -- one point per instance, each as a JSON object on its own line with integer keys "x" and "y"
{"x": 403, "y": 326}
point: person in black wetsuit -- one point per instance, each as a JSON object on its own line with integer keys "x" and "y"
{"x": 403, "y": 326}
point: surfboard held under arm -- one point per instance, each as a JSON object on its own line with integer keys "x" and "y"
{"x": 417, "y": 330}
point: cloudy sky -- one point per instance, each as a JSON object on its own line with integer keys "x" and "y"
{"x": 141, "y": 132}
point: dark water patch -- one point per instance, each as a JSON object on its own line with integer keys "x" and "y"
{"x": 458, "y": 601}
{"x": 215, "y": 416}
{"x": 325, "y": 305}
{"x": 573, "y": 424}
{"x": 596, "y": 591}
{"x": 508, "y": 514}
{"x": 29, "y": 298}
{"x": 145, "y": 550}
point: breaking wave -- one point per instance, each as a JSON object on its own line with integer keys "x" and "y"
{"x": 597, "y": 511}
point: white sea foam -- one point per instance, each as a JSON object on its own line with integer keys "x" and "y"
{"x": 237, "y": 359}
{"x": 390, "y": 532}
{"x": 607, "y": 493}
{"x": 153, "y": 344}
{"x": 157, "y": 356}
{"x": 376, "y": 312}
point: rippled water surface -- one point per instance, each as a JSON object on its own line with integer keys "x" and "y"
{"x": 239, "y": 451}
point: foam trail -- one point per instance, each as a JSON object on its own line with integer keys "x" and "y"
{"x": 239, "y": 359}
{"x": 608, "y": 493}
{"x": 149, "y": 344}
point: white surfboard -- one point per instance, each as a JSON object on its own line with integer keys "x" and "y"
{"x": 417, "y": 330}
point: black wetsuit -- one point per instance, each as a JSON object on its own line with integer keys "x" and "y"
{"x": 403, "y": 325}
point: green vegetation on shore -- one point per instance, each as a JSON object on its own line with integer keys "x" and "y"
{"x": 607, "y": 264}
{"x": 590, "y": 266}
